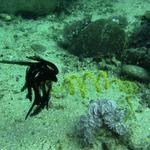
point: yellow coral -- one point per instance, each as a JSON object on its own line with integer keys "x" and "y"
{"x": 69, "y": 82}
{"x": 131, "y": 110}
{"x": 131, "y": 89}
{"x": 127, "y": 87}
{"x": 99, "y": 80}
{"x": 72, "y": 83}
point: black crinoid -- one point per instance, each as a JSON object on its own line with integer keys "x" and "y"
{"x": 39, "y": 77}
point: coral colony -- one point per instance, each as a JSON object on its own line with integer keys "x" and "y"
{"x": 101, "y": 113}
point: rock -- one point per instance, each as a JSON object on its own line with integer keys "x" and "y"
{"x": 135, "y": 72}
{"x": 146, "y": 97}
{"x": 119, "y": 19}
{"x": 38, "y": 48}
{"x": 5, "y": 17}
{"x": 71, "y": 31}
{"x": 39, "y": 7}
{"x": 99, "y": 38}
{"x": 140, "y": 36}
{"x": 33, "y": 7}
{"x": 137, "y": 56}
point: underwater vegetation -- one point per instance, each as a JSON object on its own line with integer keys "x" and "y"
{"x": 83, "y": 83}
{"x": 79, "y": 82}
{"x": 74, "y": 82}
{"x": 101, "y": 114}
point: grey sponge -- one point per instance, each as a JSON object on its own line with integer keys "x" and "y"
{"x": 101, "y": 113}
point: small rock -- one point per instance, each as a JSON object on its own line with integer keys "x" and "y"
{"x": 146, "y": 97}
{"x": 38, "y": 48}
{"x": 5, "y": 17}
{"x": 135, "y": 72}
